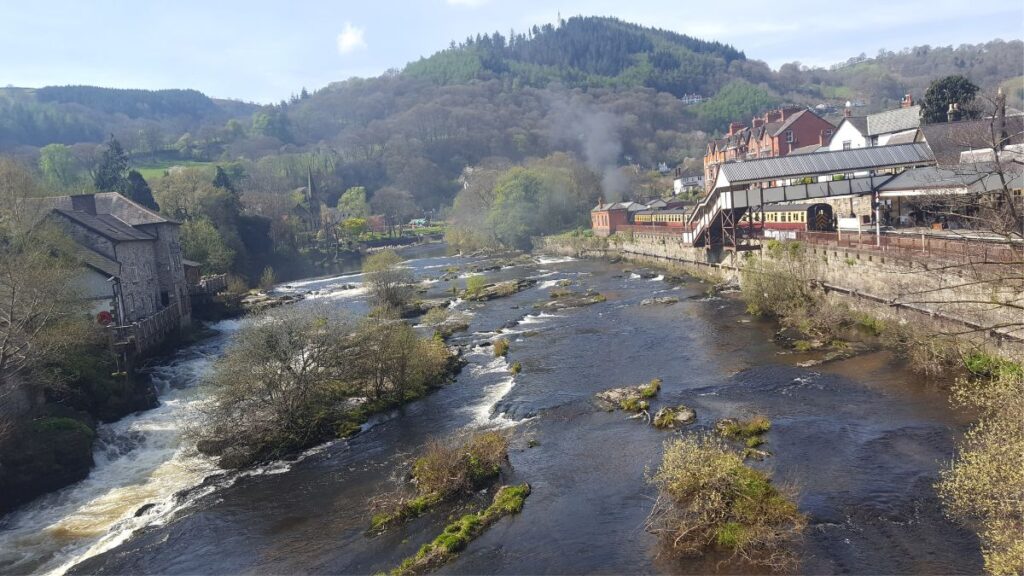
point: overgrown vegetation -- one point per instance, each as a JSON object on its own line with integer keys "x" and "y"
{"x": 457, "y": 535}
{"x": 983, "y": 485}
{"x": 501, "y": 346}
{"x": 709, "y": 500}
{"x": 309, "y": 373}
{"x": 444, "y": 470}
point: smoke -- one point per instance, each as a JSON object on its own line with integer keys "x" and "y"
{"x": 578, "y": 124}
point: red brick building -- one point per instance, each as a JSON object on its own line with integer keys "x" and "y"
{"x": 776, "y": 133}
{"x": 606, "y": 218}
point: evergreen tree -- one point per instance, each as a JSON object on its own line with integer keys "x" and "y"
{"x": 137, "y": 189}
{"x": 223, "y": 181}
{"x": 112, "y": 172}
{"x": 949, "y": 90}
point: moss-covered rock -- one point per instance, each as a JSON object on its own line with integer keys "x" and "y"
{"x": 44, "y": 455}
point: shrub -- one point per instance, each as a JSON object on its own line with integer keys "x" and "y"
{"x": 633, "y": 404}
{"x": 475, "y": 283}
{"x": 500, "y": 347}
{"x": 444, "y": 470}
{"x": 267, "y": 279}
{"x": 516, "y": 367}
{"x": 707, "y": 498}
{"x": 743, "y": 429}
{"x": 982, "y": 486}
{"x": 650, "y": 390}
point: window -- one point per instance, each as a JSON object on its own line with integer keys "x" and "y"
{"x": 846, "y": 144}
{"x": 789, "y": 136}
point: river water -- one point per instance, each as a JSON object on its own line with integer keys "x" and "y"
{"x": 862, "y": 439}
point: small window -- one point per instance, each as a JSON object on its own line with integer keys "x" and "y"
{"x": 847, "y": 144}
{"x": 789, "y": 136}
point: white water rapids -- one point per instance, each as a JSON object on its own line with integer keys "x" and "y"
{"x": 140, "y": 460}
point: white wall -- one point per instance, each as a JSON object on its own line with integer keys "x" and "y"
{"x": 847, "y": 131}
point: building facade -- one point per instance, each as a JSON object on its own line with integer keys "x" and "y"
{"x": 776, "y": 133}
{"x": 133, "y": 269}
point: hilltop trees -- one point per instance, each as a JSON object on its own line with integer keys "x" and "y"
{"x": 114, "y": 174}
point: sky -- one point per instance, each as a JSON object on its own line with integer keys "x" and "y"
{"x": 264, "y": 51}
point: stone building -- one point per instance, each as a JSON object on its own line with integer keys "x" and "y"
{"x": 133, "y": 272}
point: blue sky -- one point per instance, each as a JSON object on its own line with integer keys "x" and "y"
{"x": 265, "y": 50}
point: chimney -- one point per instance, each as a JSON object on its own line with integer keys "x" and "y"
{"x": 735, "y": 127}
{"x": 953, "y": 114}
{"x": 1000, "y": 124}
{"x": 84, "y": 203}
{"x": 823, "y": 138}
{"x": 907, "y": 102}
{"x": 757, "y": 122}
{"x": 772, "y": 116}
{"x": 847, "y": 113}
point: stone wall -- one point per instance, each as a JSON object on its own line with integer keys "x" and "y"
{"x": 886, "y": 285}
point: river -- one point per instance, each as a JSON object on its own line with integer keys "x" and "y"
{"x": 862, "y": 439}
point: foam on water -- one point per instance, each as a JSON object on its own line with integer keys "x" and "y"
{"x": 554, "y": 259}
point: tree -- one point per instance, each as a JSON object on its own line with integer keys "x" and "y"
{"x": 58, "y": 166}
{"x": 40, "y": 304}
{"x": 353, "y": 228}
{"x": 352, "y": 204}
{"x": 200, "y": 241}
{"x": 949, "y": 90}
{"x": 112, "y": 172}
{"x": 223, "y": 181}
{"x": 276, "y": 385}
{"x": 389, "y": 279}
{"x": 396, "y": 205}
{"x": 137, "y": 189}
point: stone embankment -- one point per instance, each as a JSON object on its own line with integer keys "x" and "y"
{"x": 956, "y": 298}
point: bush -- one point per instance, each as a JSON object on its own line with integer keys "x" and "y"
{"x": 389, "y": 279}
{"x": 500, "y": 347}
{"x": 445, "y": 470}
{"x": 650, "y": 390}
{"x": 516, "y": 368}
{"x": 267, "y": 279}
{"x": 708, "y": 499}
{"x": 982, "y": 487}
{"x": 743, "y": 429}
{"x": 475, "y": 283}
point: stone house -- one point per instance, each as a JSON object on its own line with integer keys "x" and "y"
{"x": 133, "y": 271}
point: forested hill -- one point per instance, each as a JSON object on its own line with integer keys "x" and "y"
{"x": 587, "y": 52}
{"x": 75, "y": 114}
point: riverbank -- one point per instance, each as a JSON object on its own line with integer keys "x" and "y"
{"x": 862, "y": 438}
{"x": 981, "y": 367}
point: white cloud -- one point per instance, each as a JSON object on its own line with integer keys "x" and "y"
{"x": 350, "y": 39}
{"x": 470, "y": 3}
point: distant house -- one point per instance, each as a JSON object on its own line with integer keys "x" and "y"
{"x": 133, "y": 271}
{"x": 777, "y": 133}
{"x": 877, "y": 129}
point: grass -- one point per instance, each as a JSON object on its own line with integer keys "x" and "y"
{"x": 457, "y": 535}
{"x": 155, "y": 170}
{"x": 633, "y": 404}
{"x": 665, "y": 419}
{"x": 743, "y": 429}
{"x": 515, "y": 368}
{"x": 982, "y": 364}
{"x": 500, "y": 347}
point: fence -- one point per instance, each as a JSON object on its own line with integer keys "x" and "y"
{"x": 148, "y": 333}
{"x": 209, "y": 285}
{"x": 974, "y": 250}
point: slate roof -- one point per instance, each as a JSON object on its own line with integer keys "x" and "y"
{"x": 630, "y": 206}
{"x": 128, "y": 211}
{"x": 948, "y": 139}
{"x": 97, "y": 261}
{"x": 977, "y": 178}
{"x": 905, "y": 137}
{"x": 809, "y": 149}
{"x": 839, "y": 161}
{"x": 891, "y": 121}
{"x": 106, "y": 225}
{"x": 859, "y": 122}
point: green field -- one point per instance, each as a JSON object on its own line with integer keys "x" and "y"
{"x": 155, "y": 170}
